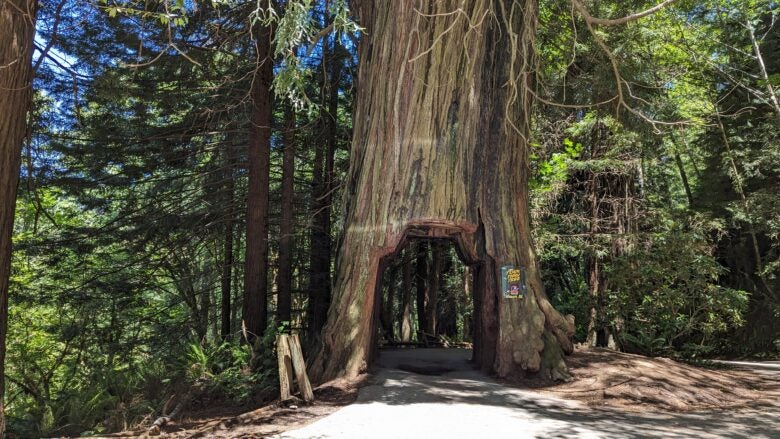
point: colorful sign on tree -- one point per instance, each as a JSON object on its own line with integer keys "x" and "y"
{"x": 513, "y": 282}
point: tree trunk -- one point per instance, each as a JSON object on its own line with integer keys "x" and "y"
{"x": 225, "y": 302}
{"x": 17, "y": 30}
{"x": 319, "y": 286}
{"x": 237, "y": 287}
{"x": 421, "y": 285}
{"x": 467, "y": 317}
{"x": 388, "y": 304}
{"x": 594, "y": 275}
{"x": 684, "y": 178}
{"x": 447, "y": 300}
{"x": 286, "y": 241}
{"x": 432, "y": 293}
{"x": 256, "y": 260}
{"x": 322, "y": 186}
{"x": 738, "y": 183}
{"x": 594, "y": 295}
{"x": 440, "y": 151}
{"x": 227, "y": 259}
{"x": 406, "y": 304}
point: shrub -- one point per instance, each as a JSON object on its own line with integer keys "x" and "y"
{"x": 668, "y": 297}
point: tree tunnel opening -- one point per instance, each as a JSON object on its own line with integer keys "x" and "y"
{"x": 426, "y": 294}
{"x": 516, "y": 331}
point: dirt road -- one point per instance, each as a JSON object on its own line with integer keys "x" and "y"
{"x": 435, "y": 394}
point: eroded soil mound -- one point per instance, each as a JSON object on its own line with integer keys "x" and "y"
{"x": 635, "y": 382}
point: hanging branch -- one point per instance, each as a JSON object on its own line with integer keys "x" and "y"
{"x": 620, "y": 82}
{"x": 617, "y": 21}
{"x": 762, "y": 67}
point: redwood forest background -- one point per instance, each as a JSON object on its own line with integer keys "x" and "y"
{"x": 181, "y": 195}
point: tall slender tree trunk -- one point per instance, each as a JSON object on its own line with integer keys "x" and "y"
{"x": 684, "y": 178}
{"x": 467, "y": 318}
{"x": 738, "y": 184}
{"x": 406, "y": 301}
{"x": 227, "y": 252}
{"x": 447, "y": 300}
{"x": 227, "y": 271}
{"x": 432, "y": 293}
{"x": 287, "y": 240}
{"x": 594, "y": 276}
{"x": 610, "y": 203}
{"x": 678, "y": 159}
{"x": 319, "y": 290}
{"x": 421, "y": 285}
{"x": 594, "y": 294}
{"x": 237, "y": 286}
{"x": 17, "y": 30}
{"x": 389, "y": 303}
{"x": 319, "y": 287}
{"x": 205, "y": 310}
{"x": 256, "y": 260}
{"x": 440, "y": 150}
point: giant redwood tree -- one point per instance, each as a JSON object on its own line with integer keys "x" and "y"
{"x": 440, "y": 150}
{"x": 17, "y": 28}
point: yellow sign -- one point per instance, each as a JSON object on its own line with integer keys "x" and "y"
{"x": 513, "y": 282}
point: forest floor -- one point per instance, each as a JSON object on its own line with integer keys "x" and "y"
{"x": 435, "y": 393}
{"x": 636, "y": 383}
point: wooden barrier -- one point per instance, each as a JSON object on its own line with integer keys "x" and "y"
{"x": 291, "y": 363}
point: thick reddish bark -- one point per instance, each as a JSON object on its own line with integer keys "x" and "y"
{"x": 287, "y": 239}
{"x": 256, "y": 260}
{"x": 17, "y": 28}
{"x": 440, "y": 151}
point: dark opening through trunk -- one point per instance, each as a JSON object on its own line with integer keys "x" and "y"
{"x": 425, "y": 296}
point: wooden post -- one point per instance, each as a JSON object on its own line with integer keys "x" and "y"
{"x": 285, "y": 366}
{"x": 300, "y": 369}
{"x": 290, "y": 358}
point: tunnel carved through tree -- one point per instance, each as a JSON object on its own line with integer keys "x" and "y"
{"x": 440, "y": 148}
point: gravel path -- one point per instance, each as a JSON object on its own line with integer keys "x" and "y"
{"x": 446, "y": 399}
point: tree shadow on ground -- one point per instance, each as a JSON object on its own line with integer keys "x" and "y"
{"x": 394, "y": 387}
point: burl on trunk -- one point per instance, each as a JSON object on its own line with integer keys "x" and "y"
{"x": 440, "y": 149}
